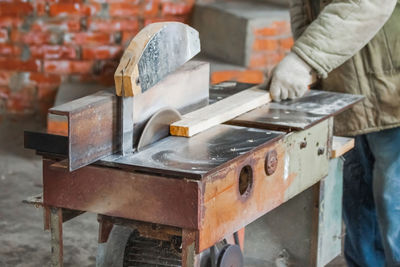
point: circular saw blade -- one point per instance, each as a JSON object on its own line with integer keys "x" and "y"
{"x": 230, "y": 256}
{"x": 158, "y": 126}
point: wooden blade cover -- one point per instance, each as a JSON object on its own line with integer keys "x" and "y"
{"x": 157, "y": 50}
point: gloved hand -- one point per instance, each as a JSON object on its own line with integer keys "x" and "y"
{"x": 290, "y": 79}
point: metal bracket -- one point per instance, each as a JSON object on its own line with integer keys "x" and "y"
{"x": 126, "y": 120}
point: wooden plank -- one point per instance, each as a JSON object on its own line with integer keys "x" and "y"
{"x": 341, "y": 145}
{"x": 219, "y": 112}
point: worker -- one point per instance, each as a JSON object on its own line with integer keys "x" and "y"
{"x": 354, "y": 47}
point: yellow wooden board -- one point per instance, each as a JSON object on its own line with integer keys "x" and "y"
{"x": 220, "y": 112}
{"x": 341, "y": 145}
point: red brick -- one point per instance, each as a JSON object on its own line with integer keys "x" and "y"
{"x": 25, "y": 79}
{"x": 3, "y": 35}
{"x": 15, "y": 8}
{"x": 123, "y": 9}
{"x": 4, "y": 93}
{"x": 265, "y": 45}
{"x": 46, "y": 96}
{"x": 276, "y": 28}
{"x": 102, "y": 52}
{"x": 10, "y": 50}
{"x": 176, "y": 8}
{"x": 136, "y": 2}
{"x": 265, "y": 60}
{"x": 71, "y": 24}
{"x": 11, "y": 63}
{"x": 127, "y": 36}
{"x": 5, "y": 77}
{"x": 268, "y": 31}
{"x": 40, "y": 7}
{"x": 68, "y": 9}
{"x": 182, "y": 19}
{"x": 44, "y": 79}
{"x": 21, "y": 101}
{"x": 244, "y": 76}
{"x": 53, "y": 51}
{"x": 113, "y": 25}
{"x": 104, "y": 73}
{"x": 286, "y": 43}
{"x": 67, "y": 67}
{"x": 10, "y": 21}
{"x": 87, "y": 38}
{"x": 45, "y": 92}
{"x": 151, "y": 8}
{"x": 35, "y": 37}
{"x": 107, "y": 72}
{"x": 64, "y": 1}
{"x": 85, "y": 77}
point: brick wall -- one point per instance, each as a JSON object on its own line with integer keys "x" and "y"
{"x": 44, "y": 42}
{"x": 270, "y": 44}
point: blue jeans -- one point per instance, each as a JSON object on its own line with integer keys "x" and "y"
{"x": 371, "y": 200}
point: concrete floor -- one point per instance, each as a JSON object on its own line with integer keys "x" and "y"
{"x": 23, "y": 242}
{"x": 22, "y": 239}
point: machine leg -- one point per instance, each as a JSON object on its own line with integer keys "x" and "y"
{"x": 189, "y": 256}
{"x": 316, "y": 190}
{"x": 329, "y": 244}
{"x": 105, "y": 227}
{"x": 56, "y": 222}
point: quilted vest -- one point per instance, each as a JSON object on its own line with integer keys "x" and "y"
{"x": 373, "y": 72}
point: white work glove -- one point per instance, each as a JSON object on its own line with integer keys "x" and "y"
{"x": 290, "y": 79}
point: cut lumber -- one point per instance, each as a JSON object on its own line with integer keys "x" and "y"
{"x": 219, "y": 112}
{"x": 341, "y": 145}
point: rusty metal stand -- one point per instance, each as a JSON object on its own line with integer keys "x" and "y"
{"x": 56, "y": 221}
{"x": 189, "y": 256}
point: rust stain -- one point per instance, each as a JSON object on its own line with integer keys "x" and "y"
{"x": 135, "y": 196}
{"x": 226, "y": 211}
{"x": 57, "y": 127}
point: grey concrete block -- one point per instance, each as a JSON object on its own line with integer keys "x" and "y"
{"x": 226, "y": 27}
{"x": 218, "y": 65}
{"x": 277, "y": 2}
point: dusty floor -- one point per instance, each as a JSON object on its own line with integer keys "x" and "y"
{"x": 22, "y": 239}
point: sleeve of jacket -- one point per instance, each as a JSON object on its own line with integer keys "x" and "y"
{"x": 342, "y": 28}
{"x": 298, "y": 17}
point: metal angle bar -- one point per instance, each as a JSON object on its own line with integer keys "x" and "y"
{"x": 126, "y": 121}
{"x": 93, "y": 131}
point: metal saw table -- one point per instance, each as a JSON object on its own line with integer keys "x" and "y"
{"x": 191, "y": 193}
